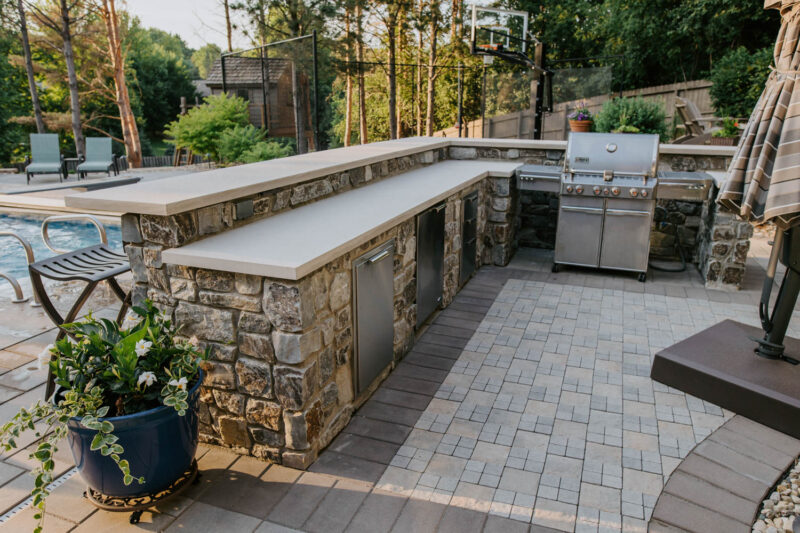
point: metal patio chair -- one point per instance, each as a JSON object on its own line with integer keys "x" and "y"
{"x": 46, "y": 157}
{"x": 92, "y": 264}
{"x": 99, "y": 157}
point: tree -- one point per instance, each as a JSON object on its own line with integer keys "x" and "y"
{"x": 12, "y": 104}
{"x": 228, "y": 29}
{"x": 160, "y": 76}
{"x": 130, "y": 132}
{"x": 433, "y": 33}
{"x": 362, "y": 90}
{"x": 26, "y": 51}
{"x": 204, "y": 57}
{"x": 57, "y": 15}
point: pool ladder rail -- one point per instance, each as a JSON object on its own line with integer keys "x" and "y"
{"x": 29, "y": 257}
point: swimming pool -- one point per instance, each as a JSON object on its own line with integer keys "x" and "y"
{"x": 68, "y": 235}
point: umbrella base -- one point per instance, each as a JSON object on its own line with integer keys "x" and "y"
{"x": 719, "y": 365}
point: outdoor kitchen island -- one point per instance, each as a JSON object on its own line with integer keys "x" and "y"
{"x": 308, "y": 277}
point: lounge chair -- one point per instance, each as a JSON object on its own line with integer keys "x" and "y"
{"x": 46, "y": 157}
{"x": 698, "y": 128}
{"x": 99, "y": 157}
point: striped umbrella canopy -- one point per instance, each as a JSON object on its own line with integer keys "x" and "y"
{"x": 763, "y": 181}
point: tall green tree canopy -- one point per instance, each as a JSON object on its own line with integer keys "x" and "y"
{"x": 162, "y": 75}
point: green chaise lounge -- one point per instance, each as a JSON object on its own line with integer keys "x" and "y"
{"x": 46, "y": 157}
{"x": 99, "y": 157}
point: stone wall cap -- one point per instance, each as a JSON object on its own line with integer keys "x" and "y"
{"x": 295, "y": 243}
{"x": 201, "y": 189}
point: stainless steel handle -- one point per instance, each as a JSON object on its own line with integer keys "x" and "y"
{"x": 625, "y": 212}
{"x": 377, "y": 257}
{"x": 60, "y": 218}
{"x": 589, "y": 210}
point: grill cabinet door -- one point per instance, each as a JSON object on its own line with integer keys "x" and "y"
{"x": 374, "y": 321}
{"x": 626, "y": 235}
{"x": 469, "y": 238}
{"x": 430, "y": 261}
{"x": 580, "y": 226}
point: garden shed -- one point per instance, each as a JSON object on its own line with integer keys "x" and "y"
{"x": 244, "y": 78}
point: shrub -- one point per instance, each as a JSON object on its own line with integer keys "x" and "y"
{"x": 200, "y": 129}
{"x": 236, "y": 141}
{"x": 738, "y": 79}
{"x": 632, "y": 115}
{"x": 266, "y": 150}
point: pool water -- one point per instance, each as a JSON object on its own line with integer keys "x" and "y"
{"x": 68, "y": 235}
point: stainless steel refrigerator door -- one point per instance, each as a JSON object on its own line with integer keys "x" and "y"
{"x": 469, "y": 237}
{"x": 626, "y": 235}
{"x": 373, "y": 294}
{"x": 430, "y": 261}
{"x": 580, "y": 226}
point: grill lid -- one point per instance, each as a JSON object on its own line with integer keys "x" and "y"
{"x": 623, "y": 153}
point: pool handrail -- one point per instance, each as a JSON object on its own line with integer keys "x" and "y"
{"x": 30, "y": 259}
{"x": 60, "y": 218}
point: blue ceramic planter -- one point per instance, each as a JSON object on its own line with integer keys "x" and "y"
{"x": 159, "y": 445}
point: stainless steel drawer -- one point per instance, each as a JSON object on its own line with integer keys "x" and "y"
{"x": 373, "y": 297}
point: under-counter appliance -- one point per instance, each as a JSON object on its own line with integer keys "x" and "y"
{"x": 607, "y": 201}
{"x": 430, "y": 261}
{"x": 373, "y": 297}
{"x": 469, "y": 237}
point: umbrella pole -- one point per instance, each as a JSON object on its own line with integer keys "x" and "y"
{"x": 771, "y": 346}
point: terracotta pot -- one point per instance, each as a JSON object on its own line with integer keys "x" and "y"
{"x": 724, "y": 141}
{"x": 580, "y": 125}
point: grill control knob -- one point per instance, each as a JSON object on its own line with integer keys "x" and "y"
{"x": 644, "y": 194}
{"x": 615, "y": 191}
{"x": 634, "y": 193}
{"x": 569, "y": 188}
{"x": 596, "y": 189}
{"x": 579, "y": 189}
{"x": 605, "y": 191}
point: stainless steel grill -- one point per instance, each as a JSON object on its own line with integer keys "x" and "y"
{"x": 607, "y": 201}
{"x": 608, "y": 187}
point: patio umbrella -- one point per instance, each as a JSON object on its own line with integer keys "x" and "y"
{"x": 763, "y": 182}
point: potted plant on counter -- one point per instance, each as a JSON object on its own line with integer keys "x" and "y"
{"x": 122, "y": 392}
{"x": 728, "y": 134}
{"x": 580, "y": 119}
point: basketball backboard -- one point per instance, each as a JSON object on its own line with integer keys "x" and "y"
{"x": 498, "y": 30}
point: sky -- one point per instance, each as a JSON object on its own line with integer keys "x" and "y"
{"x": 198, "y": 22}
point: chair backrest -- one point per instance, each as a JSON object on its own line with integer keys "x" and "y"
{"x": 44, "y": 148}
{"x": 690, "y": 116}
{"x": 98, "y": 149}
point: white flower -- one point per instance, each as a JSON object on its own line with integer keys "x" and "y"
{"x": 148, "y": 378}
{"x": 180, "y": 383}
{"x": 194, "y": 341}
{"x": 142, "y": 346}
{"x": 131, "y": 319}
{"x": 44, "y": 357}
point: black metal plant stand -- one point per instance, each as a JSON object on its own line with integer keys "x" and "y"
{"x": 136, "y": 505}
{"x": 786, "y": 248}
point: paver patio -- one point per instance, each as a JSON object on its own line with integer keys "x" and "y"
{"x": 525, "y": 405}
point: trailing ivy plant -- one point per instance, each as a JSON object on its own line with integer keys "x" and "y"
{"x": 104, "y": 370}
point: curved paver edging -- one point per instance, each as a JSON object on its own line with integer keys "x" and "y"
{"x": 720, "y": 485}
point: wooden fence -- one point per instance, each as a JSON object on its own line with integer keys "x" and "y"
{"x": 519, "y": 125}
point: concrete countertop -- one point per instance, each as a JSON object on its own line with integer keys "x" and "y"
{"x": 201, "y": 189}
{"x": 297, "y": 242}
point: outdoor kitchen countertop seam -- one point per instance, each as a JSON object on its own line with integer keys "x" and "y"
{"x": 295, "y": 243}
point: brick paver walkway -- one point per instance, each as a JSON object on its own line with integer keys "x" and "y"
{"x": 526, "y": 405}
